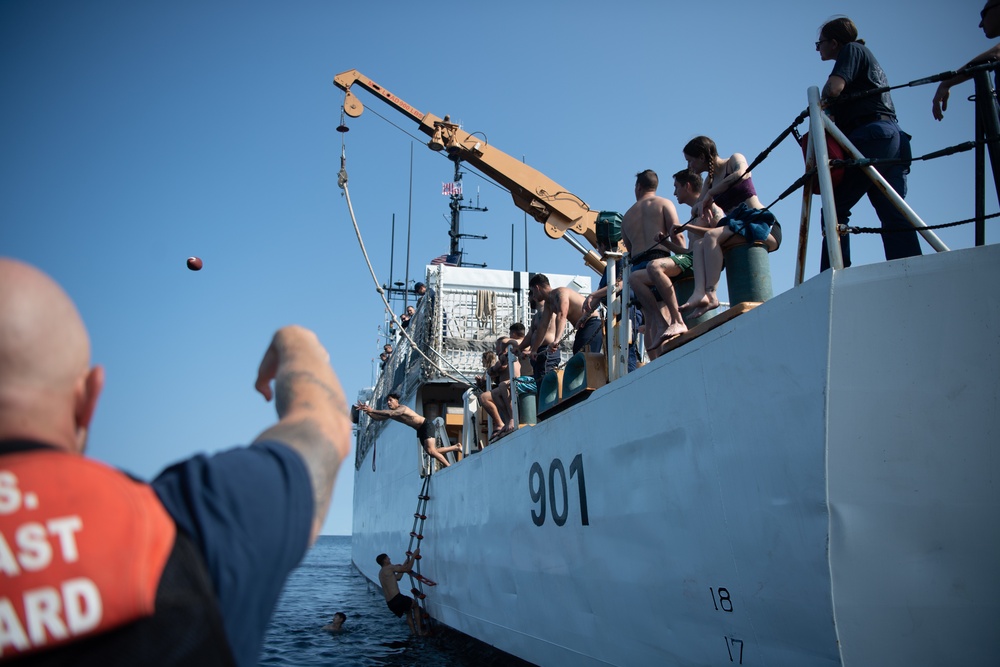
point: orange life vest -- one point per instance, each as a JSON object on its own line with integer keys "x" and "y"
{"x": 83, "y": 550}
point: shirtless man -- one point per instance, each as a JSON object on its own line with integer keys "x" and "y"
{"x": 536, "y": 342}
{"x": 404, "y": 415}
{"x": 562, "y": 304}
{"x": 398, "y": 603}
{"x": 337, "y": 624}
{"x": 648, "y": 230}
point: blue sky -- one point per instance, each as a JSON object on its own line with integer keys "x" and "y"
{"x": 135, "y": 134}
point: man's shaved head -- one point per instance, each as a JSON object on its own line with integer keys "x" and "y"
{"x": 45, "y": 375}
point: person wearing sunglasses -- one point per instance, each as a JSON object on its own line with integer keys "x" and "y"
{"x": 868, "y": 118}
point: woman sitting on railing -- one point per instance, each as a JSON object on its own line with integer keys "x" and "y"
{"x": 728, "y": 189}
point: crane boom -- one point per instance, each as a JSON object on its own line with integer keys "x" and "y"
{"x": 542, "y": 198}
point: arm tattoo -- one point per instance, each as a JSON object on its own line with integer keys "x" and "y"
{"x": 286, "y": 394}
{"x": 319, "y": 454}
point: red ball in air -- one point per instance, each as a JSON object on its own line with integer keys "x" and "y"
{"x": 195, "y": 263}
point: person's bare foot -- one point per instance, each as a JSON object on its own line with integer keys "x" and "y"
{"x": 702, "y": 305}
{"x": 701, "y": 310}
{"x": 672, "y": 332}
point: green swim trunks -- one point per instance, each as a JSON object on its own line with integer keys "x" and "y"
{"x": 684, "y": 262}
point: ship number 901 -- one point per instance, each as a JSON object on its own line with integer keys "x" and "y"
{"x": 557, "y": 484}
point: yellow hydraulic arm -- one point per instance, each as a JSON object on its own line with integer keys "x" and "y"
{"x": 541, "y": 197}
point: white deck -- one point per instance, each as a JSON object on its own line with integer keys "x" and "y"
{"x": 815, "y": 482}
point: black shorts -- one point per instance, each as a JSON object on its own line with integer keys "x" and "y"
{"x": 425, "y": 431}
{"x": 400, "y": 604}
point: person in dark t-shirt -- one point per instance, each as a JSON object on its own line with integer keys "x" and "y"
{"x": 869, "y": 121}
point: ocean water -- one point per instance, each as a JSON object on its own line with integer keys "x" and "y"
{"x": 326, "y": 582}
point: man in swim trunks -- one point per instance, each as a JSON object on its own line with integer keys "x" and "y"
{"x": 565, "y": 305}
{"x": 687, "y": 190}
{"x": 398, "y": 603}
{"x": 404, "y": 415}
{"x": 535, "y": 344}
{"x": 649, "y": 232}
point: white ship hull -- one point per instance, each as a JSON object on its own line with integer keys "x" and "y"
{"x": 816, "y": 482}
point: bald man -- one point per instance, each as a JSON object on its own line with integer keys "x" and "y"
{"x": 99, "y": 568}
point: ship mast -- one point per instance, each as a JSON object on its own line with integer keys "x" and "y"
{"x": 457, "y": 207}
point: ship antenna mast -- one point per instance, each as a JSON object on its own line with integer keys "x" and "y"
{"x": 457, "y": 207}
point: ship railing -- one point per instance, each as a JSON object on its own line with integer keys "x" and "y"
{"x": 818, "y": 163}
{"x": 818, "y": 156}
{"x": 986, "y": 137}
{"x": 618, "y": 325}
{"x": 512, "y": 362}
{"x": 400, "y": 374}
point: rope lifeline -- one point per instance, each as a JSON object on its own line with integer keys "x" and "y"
{"x": 342, "y": 182}
{"x": 879, "y": 230}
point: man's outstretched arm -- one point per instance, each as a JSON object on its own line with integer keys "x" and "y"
{"x": 940, "y": 102}
{"x": 312, "y": 413}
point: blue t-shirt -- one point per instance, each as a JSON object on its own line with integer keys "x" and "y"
{"x": 250, "y": 512}
{"x": 861, "y": 72}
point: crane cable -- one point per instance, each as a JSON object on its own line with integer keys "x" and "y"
{"x": 342, "y": 182}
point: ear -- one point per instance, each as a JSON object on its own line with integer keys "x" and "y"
{"x": 88, "y": 390}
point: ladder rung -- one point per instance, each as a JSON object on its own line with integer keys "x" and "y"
{"x": 422, "y": 579}
{"x": 414, "y": 534}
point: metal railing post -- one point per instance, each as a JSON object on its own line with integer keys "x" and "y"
{"x": 817, "y": 137}
{"x": 625, "y": 330}
{"x": 617, "y": 364}
{"x": 980, "y": 170}
{"x": 511, "y": 359}
{"x": 987, "y": 115}
{"x": 807, "y": 194}
{"x": 490, "y": 426}
{"x": 883, "y": 185}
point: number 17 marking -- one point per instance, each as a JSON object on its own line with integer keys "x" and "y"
{"x": 730, "y": 645}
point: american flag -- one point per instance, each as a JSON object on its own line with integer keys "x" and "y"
{"x": 447, "y": 260}
{"x": 452, "y": 189}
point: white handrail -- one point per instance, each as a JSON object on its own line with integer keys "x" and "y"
{"x": 817, "y": 136}
{"x": 887, "y": 189}
{"x": 511, "y": 360}
{"x": 819, "y": 125}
